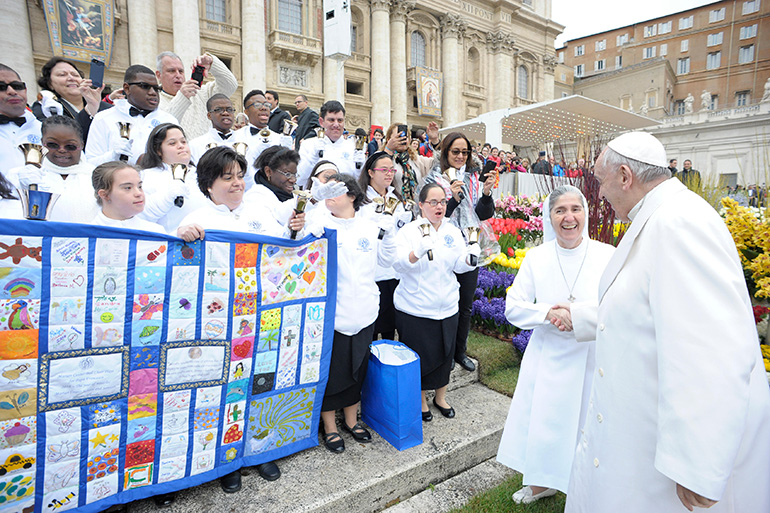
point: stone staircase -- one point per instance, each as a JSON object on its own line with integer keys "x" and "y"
{"x": 443, "y": 472}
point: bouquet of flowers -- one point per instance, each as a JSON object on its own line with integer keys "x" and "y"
{"x": 751, "y": 232}
{"x": 488, "y": 310}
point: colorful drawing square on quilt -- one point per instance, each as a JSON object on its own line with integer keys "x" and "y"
{"x": 245, "y": 304}
{"x": 287, "y": 367}
{"x": 138, "y": 453}
{"x": 101, "y": 488}
{"x": 103, "y": 413}
{"x": 218, "y": 254}
{"x": 172, "y": 445}
{"x": 309, "y": 373}
{"x": 66, "y": 311}
{"x": 236, "y": 391}
{"x": 18, "y": 432}
{"x": 175, "y": 422}
{"x": 107, "y": 309}
{"x": 135, "y": 477}
{"x": 19, "y": 314}
{"x": 203, "y": 461}
{"x": 214, "y": 304}
{"x": 144, "y": 357}
{"x": 66, "y": 338}
{"x": 103, "y": 464}
{"x": 177, "y": 401}
{"x": 148, "y": 306}
{"x": 314, "y": 332}
{"x": 143, "y": 381}
{"x": 183, "y": 306}
{"x": 171, "y": 469}
{"x": 144, "y": 405}
{"x": 270, "y": 319}
{"x": 214, "y": 329}
{"x": 147, "y": 332}
{"x": 216, "y": 279}
{"x": 63, "y": 422}
{"x": 21, "y": 251}
{"x": 18, "y": 374}
{"x": 233, "y": 434}
{"x": 62, "y": 500}
{"x": 18, "y": 403}
{"x": 103, "y": 440}
{"x": 62, "y": 448}
{"x": 269, "y": 340}
{"x": 186, "y": 253}
{"x": 111, "y": 253}
{"x": 235, "y": 412}
{"x": 208, "y": 397}
{"x": 293, "y": 273}
{"x": 242, "y": 348}
{"x": 245, "y": 280}
{"x": 184, "y": 279}
{"x": 206, "y": 418}
{"x": 19, "y": 460}
{"x": 107, "y": 335}
{"x": 59, "y": 476}
{"x": 68, "y": 281}
{"x": 279, "y": 419}
{"x": 239, "y": 369}
{"x": 18, "y": 344}
{"x": 246, "y": 255}
{"x": 244, "y": 326}
{"x": 69, "y": 252}
{"x": 149, "y": 280}
{"x": 180, "y": 329}
{"x": 20, "y": 283}
{"x": 204, "y": 440}
{"x": 140, "y": 430}
{"x": 151, "y": 252}
{"x": 311, "y": 352}
{"x": 109, "y": 281}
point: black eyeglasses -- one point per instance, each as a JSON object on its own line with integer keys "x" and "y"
{"x": 435, "y": 203}
{"x": 16, "y": 85}
{"x": 54, "y": 146}
{"x": 220, "y": 110}
{"x": 289, "y": 176}
{"x": 266, "y": 105}
{"x": 456, "y": 152}
{"x": 146, "y": 86}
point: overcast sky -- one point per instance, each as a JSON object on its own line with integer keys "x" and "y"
{"x": 583, "y": 18}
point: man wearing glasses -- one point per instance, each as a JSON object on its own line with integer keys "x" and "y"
{"x": 222, "y": 116}
{"x": 17, "y": 124}
{"x": 256, "y": 133}
{"x": 139, "y": 109}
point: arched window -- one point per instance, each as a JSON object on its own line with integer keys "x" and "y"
{"x": 523, "y": 85}
{"x": 474, "y": 66}
{"x": 290, "y": 16}
{"x": 418, "y": 49}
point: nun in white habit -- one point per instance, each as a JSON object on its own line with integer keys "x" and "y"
{"x": 550, "y": 401}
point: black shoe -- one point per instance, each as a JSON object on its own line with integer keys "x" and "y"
{"x": 334, "y": 442}
{"x": 163, "y": 500}
{"x": 269, "y": 471}
{"x": 231, "y": 483}
{"x": 427, "y": 416}
{"x": 446, "y": 412}
{"x": 466, "y": 363}
{"x": 359, "y": 432}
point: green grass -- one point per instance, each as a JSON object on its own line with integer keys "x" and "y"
{"x": 499, "y": 369}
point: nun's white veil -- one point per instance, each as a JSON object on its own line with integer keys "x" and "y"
{"x": 548, "y": 232}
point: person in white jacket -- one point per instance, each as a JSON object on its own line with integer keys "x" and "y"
{"x": 427, "y": 296}
{"x": 679, "y": 415}
{"x": 118, "y": 191}
{"x": 222, "y": 116}
{"x": 17, "y": 124}
{"x": 63, "y": 172}
{"x": 359, "y": 252}
{"x": 551, "y": 397}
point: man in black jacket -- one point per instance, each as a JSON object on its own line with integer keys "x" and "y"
{"x": 276, "y": 114}
{"x": 307, "y": 121}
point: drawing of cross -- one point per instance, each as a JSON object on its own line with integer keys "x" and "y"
{"x": 289, "y": 337}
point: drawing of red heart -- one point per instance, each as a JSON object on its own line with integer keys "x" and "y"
{"x": 79, "y": 280}
{"x": 242, "y": 350}
{"x": 273, "y": 295}
{"x": 312, "y": 257}
{"x": 309, "y": 277}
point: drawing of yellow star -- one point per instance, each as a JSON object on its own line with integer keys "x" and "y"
{"x": 99, "y": 439}
{"x": 114, "y": 437}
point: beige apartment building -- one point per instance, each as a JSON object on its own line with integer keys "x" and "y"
{"x": 487, "y": 54}
{"x": 712, "y": 57}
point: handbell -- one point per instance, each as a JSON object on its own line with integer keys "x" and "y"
{"x": 241, "y": 148}
{"x": 319, "y": 132}
{"x": 37, "y": 205}
{"x": 389, "y": 205}
{"x": 380, "y": 208}
{"x": 360, "y": 142}
{"x": 212, "y": 144}
{"x": 265, "y": 135}
{"x": 33, "y": 154}
{"x": 125, "y": 133}
{"x": 425, "y": 229}
{"x": 289, "y": 126}
{"x": 473, "y": 238}
{"x": 451, "y": 174}
{"x": 179, "y": 172}
{"x": 302, "y": 199}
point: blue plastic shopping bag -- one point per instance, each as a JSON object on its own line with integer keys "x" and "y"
{"x": 390, "y": 398}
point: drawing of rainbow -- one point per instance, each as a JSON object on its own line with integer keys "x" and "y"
{"x": 19, "y": 287}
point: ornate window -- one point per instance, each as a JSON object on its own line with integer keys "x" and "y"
{"x": 418, "y": 49}
{"x": 216, "y": 10}
{"x": 523, "y": 82}
{"x": 290, "y": 16}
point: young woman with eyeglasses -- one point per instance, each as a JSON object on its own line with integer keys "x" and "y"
{"x": 469, "y": 201}
{"x": 63, "y": 172}
{"x": 430, "y": 250}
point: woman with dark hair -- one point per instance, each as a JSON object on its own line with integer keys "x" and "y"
{"x": 221, "y": 173}
{"x": 469, "y": 201}
{"x": 375, "y": 179}
{"x": 67, "y": 93}
{"x": 429, "y": 251}
{"x": 411, "y": 167}
{"x": 274, "y": 181}
{"x": 62, "y": 172}
{"x": 359, "y": 252}
{"x": 169, "y": 198}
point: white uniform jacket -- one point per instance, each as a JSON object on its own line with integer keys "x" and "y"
{"x": 342, "y": 153}
{"x": 402, "y": 218}
{"x": 132, "y": 223}
{"x": 159, "y": 202}
{"x": 680, "y": 393}
{"x": 198, "y": 145}
{"x": 257, "y": 144}
{"x": 429, "y": 288}
{"x": 245, "y": 218}
{"x": 104, "y": 130}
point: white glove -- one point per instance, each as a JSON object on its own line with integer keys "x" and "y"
{"x": 322, "y": 191}
{"x": 177, "y": 188}
{"x": 359, "y": 157}
{"x": 27, "y": 175}
{"x": 120, "y": 147}
{"x": 474, "y": 250}
{"x": 49, "y": 105}
{"x": 426, "y": 244}
{"x": 404, "y": 218}
{"x": 387, "y": 224}
{"x": 317, "y": 230}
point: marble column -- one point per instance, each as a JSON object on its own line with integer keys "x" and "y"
{"x": 549, "y": 66}
{"x": 16, "y": 42}
{"x": 186, "y": 27}
{"x": 334, "y": 79}
{"x": 452, "y": 26}
{"x": 253, "y": 48}
{"x": 398, "y": 92}
{"x": 142, "y": 33}
{"x": 500, "y": 45}
{"x": 380, "y": 84}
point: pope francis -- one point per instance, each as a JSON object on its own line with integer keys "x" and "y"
{"x": 679, "y": 415}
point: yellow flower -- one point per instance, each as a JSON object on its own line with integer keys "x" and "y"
{"x": 750, "y": 232}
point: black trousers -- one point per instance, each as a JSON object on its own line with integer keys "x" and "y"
{"x": 385, "y": 324}
{"x": 468, "y": 282}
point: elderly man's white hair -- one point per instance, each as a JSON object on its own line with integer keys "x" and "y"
{"x": 643, "y": 171}
{"x": 161, "y": 55}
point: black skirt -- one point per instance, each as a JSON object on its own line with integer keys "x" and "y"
{"x": 434, "y": 341}
{"x": 347, "y": 370}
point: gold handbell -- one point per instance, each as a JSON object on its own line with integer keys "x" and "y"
{"x": 425, "y": 229}
{"x": 265, "y": 134}
{"x": 391, "y": 203}
{"x": 319, "y": 132}
{"x": 289, "y": 126}
{"x": 241, "y": 148}
{"x": 409, "y": 204}
{"x": 33, "y": 153}
{"x": 380, "y": 204}
{"x": 125, "y": 129}
{"x": 360, "y": 142}
{"x": 451, "y": 174}
{"x": 210, "y": 145}
{"x": 179, "y": 171}
{"x": 473, "y": 234}
{"x": 303, "y": 196}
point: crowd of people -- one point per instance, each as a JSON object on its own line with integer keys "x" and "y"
{"x": 643, "y": 358}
